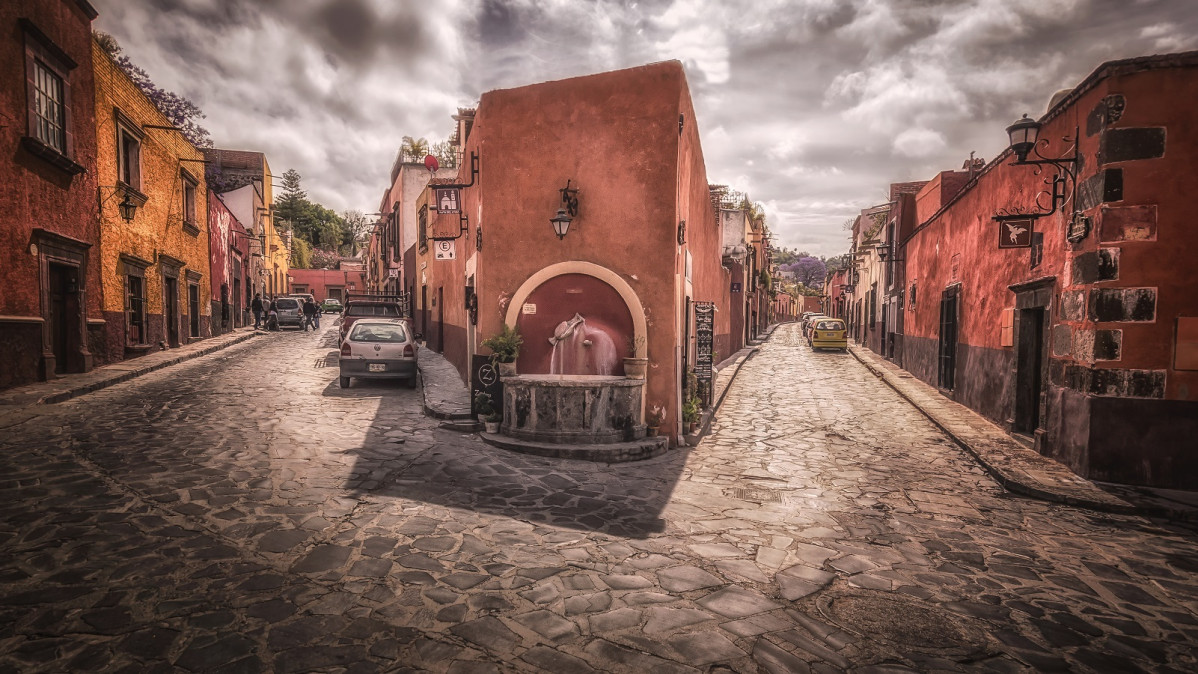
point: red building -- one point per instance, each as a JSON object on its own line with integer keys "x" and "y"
{"x": 642, "y": 248}
{"x": 229, "y": 248}
{"x": 48, "y": 254}
{"x": 1076, "y": 326}
{"x": 326, "y": 284}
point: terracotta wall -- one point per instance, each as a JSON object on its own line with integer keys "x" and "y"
{"x": 34, "y": 192}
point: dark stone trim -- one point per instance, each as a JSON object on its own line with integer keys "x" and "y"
{"x": 44, "y": 236}
{"x": 171, "y": 261}
{"x": 46, "y": 43}
{"x": 51, "y": 156}
{"x": 134, "y": 261}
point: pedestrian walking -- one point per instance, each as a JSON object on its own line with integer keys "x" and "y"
{"x": 316, "y": 316}
{"x": 309, "y": 313}
{"x": 258, "y": 309}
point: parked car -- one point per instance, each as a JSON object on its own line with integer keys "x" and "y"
{"x": 378, "y": 349}
{"x": 828, "y": 333}
{"x": 811, "y": 320}
{"x": 290, "y": 311}
{"x": 330, "y": 306}
{"x": 370, "y": 306}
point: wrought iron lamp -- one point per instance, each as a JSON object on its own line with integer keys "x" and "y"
{"x": 884, "y": 251}
{"x": 127, "y": 208}
{"x": 565, "y": 214}
{"x": 1024, "y": 136}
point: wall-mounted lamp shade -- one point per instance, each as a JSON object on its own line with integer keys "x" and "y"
{"x": 128, "y": 209}
{"x": 561, "y": 223}
{"x": 1023, "y": 135}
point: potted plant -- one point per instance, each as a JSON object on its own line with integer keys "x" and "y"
{"x": 690, "y": 413}
{"x": 653, "y": 420}
{"x": 505, "y": 347}
{"x": 484, "y": 406}
{"x": 491, "y": 421}
{"x": 634, "y": 367}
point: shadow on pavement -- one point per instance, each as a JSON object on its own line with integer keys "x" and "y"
{"x": 459, "y": 471}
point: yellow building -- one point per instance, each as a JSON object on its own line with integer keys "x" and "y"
{"x": 154, "y": 260}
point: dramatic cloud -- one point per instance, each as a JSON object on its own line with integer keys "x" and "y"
{"x": 813, "y": 107}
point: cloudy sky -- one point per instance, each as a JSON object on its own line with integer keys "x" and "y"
{"x": 812, "y": 107}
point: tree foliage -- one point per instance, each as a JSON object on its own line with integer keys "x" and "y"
{"x": 809, "y": 271}
{"x": 355, "y": 230}
{"x": 323, "y": 258}
{"x": 179, "y": 110}
{"x": 446, "y": 154}
{"x": 320, "y": 227}
{"x": 301, "y": 254}
{"x": 413, "y": 149}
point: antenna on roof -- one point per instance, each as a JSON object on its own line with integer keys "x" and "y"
{"x": 431, "y": 163}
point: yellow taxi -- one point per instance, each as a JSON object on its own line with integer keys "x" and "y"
{"x": 828, "y": 333}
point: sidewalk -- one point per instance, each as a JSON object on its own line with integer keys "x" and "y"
{"x": 74, "y": 385}
{"x": 1014, "y": 465}
{"x": 446, "y": 397}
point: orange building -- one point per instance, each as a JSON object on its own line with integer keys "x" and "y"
{"x": 155, "y": 265}
{"x": 619, "y": 154}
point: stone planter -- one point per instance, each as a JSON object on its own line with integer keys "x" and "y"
{"x": 634, "y": 368}
{"x": 507, "y": 369}
{"x": 492, "y": 427}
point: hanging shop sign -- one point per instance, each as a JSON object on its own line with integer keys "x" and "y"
{"x": 444, "y": 250}
{"x": 1015, "y": 233}
{"x": 704, "y": 338}
{"x": 448, "y": 199}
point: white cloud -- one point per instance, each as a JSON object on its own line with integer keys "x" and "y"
{"x": 812, "y": 106}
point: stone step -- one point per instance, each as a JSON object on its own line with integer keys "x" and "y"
{"x": 616, "y": 452}
{"x": 462, "y": 425}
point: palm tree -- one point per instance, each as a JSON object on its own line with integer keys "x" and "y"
{"x": 414, "y": 148}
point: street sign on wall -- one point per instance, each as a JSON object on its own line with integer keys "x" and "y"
{"x": 444, "y": 249}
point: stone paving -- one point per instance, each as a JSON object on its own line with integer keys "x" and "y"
{"x": 241, "y": 512}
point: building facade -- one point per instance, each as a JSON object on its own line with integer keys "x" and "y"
{"x": 50, "y": 311}
{"x": 1074, "y": 326}
{"x": 229, "y": 255}
{"x": 155, "y": 265}
{"x": 643, "y": 246}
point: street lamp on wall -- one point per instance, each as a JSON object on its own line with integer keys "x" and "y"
{"x": 567, "y": 211}
{"x": 127, "y": 208}
{"x": 884, "y": 251}
{"x": 1024, "y": 137}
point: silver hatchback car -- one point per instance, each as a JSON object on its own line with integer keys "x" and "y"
{"x": 378, "y": 349}
{"x": 290, "y": 311}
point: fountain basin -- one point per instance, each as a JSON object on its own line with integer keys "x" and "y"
{"x": 572, "y": 409}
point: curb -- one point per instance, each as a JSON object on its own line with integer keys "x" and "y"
{"x": 133, "y": 374}
{"x": 1003, "y": 479}
{"x": 708, "y": 416}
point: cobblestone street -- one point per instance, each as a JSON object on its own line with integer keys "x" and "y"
{"x": 240, "y": 512}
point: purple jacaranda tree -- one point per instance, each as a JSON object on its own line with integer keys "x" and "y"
{"x": 180, "y": 111}
{"x": 810, "y": 271}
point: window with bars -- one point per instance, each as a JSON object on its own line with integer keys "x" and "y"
{"x": 48, "y": 107}
{"x": 423, "y": 228}
{"x": 135, "y": 309}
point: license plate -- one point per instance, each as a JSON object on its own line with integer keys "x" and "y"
{"x": 377, "y": 367}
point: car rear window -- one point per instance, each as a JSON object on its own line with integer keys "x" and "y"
{"x": 370, "y": 332}
{"x": 829, "y": 325}
{"x": 372, "y": 310}
{"x": 286, "y": 303}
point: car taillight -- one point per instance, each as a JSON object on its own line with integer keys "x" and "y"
{"x": 345, "y": 350}
{"x": 409, "y": 351}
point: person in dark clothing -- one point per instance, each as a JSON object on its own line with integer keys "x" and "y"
{"x": 258, "y": 310}
{"x": 310, "y": 311}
